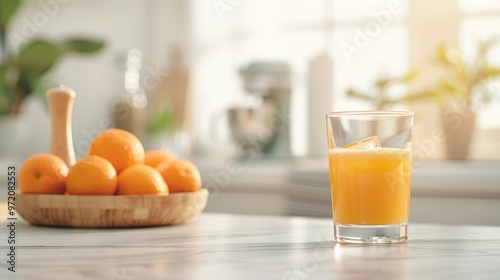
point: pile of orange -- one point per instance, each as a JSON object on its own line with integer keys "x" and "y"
{"x": 116, "y": 164}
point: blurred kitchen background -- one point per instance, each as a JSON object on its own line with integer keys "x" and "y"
{"x": 241, "y": 88}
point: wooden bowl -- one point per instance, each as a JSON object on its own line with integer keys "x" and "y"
{"x": 110, "y": 211}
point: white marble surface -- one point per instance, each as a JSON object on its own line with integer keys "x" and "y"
{"x": 221, "y": 246}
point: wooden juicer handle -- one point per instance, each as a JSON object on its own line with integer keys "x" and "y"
{"x": 60, "y": 101}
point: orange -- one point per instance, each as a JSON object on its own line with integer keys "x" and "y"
{"x": 155, "y": 157}
{"x": 119, "y": 147}
{"x": 92, "y": 175}
{"x": 43, "y": 174}
{"x": 141, "y": 179}
{"x": 180, "y": 175}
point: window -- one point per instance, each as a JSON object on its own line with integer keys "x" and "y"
{"x": 477, "y": 24}
{"x": 229, "y": 34}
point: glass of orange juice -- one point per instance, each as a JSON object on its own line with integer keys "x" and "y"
{"x": 370, "y": 175}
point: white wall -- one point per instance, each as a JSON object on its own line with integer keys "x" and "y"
{"x": 152, "y": 26}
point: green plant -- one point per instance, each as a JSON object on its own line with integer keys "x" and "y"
{"x": 381, "y": 98}
{"x": 463, "y": 81}
{"x": 162, "y": 118}
{"x": 21, "y": 72}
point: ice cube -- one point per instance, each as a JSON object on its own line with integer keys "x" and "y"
{"x": 369, "y": 143}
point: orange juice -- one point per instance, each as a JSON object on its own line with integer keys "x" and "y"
{"x": 370, "y": 187}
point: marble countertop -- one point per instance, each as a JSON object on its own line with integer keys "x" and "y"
{"x": 222, "y": 246}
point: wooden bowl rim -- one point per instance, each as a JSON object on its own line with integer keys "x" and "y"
{"x": 202, "y": 191}
{"x": 40, "y": 209}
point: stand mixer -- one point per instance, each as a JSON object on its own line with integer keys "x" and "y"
{"x": 264, "y": 130}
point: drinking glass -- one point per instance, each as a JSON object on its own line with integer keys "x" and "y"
{"x": 370, "y": 175}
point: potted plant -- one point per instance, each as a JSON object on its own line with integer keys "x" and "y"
{"x": 461, "y": 91}
{"x": 22, "y": 70}
{"x": 381, "y": 99}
